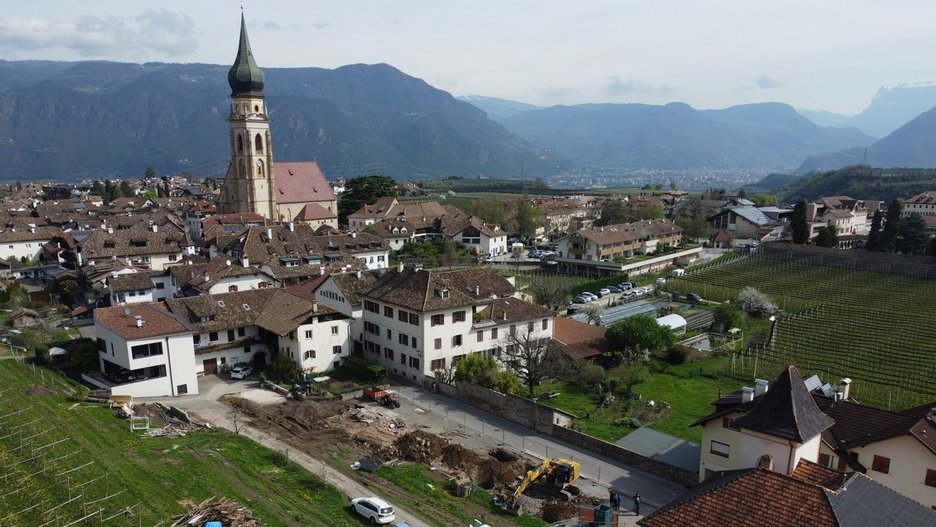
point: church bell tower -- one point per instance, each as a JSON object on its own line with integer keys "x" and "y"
{"x": 249, "y": 185}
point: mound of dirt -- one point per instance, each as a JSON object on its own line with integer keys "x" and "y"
{"x": 420, "y": 446}
{"x": 490, "y": 473}
{"x": 554, "y": 511}
{"x": 458, "y": 457}
{"x": 36, "y": 390}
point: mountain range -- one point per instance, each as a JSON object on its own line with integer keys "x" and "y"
{"x": 911, "y": 145}
{"x": 67, "y": 121}
{"x": 72, "y": 120}
{"x": 676, "y": 136}
{"x": 890, "y": 108}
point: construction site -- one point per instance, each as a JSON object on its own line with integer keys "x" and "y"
{"x": 367, "y": 435}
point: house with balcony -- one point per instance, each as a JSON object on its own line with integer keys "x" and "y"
{"x": 252, "y": 326}
{"x": 625, "y": 247}
{"x": 419, "y": 323}
{"x": 143, "y": 351}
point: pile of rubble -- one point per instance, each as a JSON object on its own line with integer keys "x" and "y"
{"x": 228, "y": 512}
{"x": 420, "y": 447}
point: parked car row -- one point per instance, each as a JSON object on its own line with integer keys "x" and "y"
{"x": 627, "y": 290}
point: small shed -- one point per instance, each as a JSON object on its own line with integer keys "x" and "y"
{"x": 675, "y": 322}
{"x": 24, "y": 318}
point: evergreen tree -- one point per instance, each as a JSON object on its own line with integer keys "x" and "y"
{"x": 828, "y": 236}
{"x": 126, "y": 189}
{"x": 362, "y": 191}
{"x": 891, "y": 226}
{"x": 874, "y": 237}
{"x": 914, "y": 236}
{"x": 931, "y": 250}
{"x": 150, "y": 172}
{"x": 799, "y": 226}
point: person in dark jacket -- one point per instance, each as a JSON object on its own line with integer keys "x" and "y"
{"x": 637, "y": 504}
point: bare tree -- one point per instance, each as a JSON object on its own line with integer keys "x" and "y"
{"x": 549, "y": 291}
{"x": 530, "y": 357}
{"x": 236, "y": 422}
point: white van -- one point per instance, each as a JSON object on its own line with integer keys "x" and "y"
{"x": 678, "y": 273}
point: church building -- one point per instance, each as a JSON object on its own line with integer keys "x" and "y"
{"x": 280, "y": 191}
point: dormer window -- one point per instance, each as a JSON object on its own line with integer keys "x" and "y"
{"x": 246, "y": 307}
{"x": 444, "y": 293}
{"x": 220, "y": 303}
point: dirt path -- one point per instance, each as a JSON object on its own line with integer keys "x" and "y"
{"x": 210, "y": 410}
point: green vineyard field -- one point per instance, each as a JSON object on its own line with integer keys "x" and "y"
{"x": 878, "y": 329}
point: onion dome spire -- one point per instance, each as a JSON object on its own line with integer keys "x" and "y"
{"x": 245, "y": 77}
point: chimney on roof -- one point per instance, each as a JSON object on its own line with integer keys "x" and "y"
{"x": 79, "y": 260}
{"x": 399, "y": 266}
{"x": 765, "y": 462}
{"x": 139, "y": 321}
{"x": 477, "y": 290}
{"x": 269, "y": 233}
{"x": 110, "y": 230}
{"x": 292, "y": 226}
{"x": 155, "y": 227}
{"x": 321, "y": 270}
{"x": 504, "y": 315}
{"x": 760, "y": 387}
{"x": 227, "y": 263}
{"x": 315, "y": 307}
{"x": 359, "y": 274}
{"x": 747, "y": 394}
{"x": 353, "y": 234}
{"x": 845, "y": 387}
{"x": 245, "y": 262}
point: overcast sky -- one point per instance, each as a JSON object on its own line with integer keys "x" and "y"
{"x": 814, "y": 54}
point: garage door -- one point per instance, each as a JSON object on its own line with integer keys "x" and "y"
{"x": 211, "y": 366}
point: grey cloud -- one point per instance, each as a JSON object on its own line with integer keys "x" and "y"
{"x": 766, "y": 82}
{"x": 271, "y": 25}
{"x": 322, "y": 25}
{"x": 159, "y": 31}
{"x": 618, "y": 86}
{"x": 166, "y": 32}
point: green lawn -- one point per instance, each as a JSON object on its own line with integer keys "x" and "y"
{"x": 688, "y": 388}
{"x": 150, "y": 474}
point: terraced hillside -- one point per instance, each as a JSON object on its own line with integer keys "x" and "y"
{"x": 878, "y": 329}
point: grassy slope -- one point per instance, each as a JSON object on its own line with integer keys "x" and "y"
{"x": 153, "y": 473}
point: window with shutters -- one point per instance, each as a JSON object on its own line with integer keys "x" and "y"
{"x": 881, "y": 464}
{"x": 930, "y": 480}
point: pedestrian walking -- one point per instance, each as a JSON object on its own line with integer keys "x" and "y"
{"x": 637, "y": 504}
{"x": 615, "y": 500}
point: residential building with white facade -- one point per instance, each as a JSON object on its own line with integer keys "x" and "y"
{"x": 18, "y": 243}
{"x": 780, "y": 420}
{"x": 144, "y": 351}
{"x": 418, "y": 322}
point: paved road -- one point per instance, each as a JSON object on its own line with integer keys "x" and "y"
{"x": 604, "y": 472}
{"x": 205, "y": 407}
{"x": 461, "y": 423}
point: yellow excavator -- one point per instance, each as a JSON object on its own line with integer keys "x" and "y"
{"x": 554, "y": 476}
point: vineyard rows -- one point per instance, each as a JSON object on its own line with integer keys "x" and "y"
{"x": 878, "y": 329}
